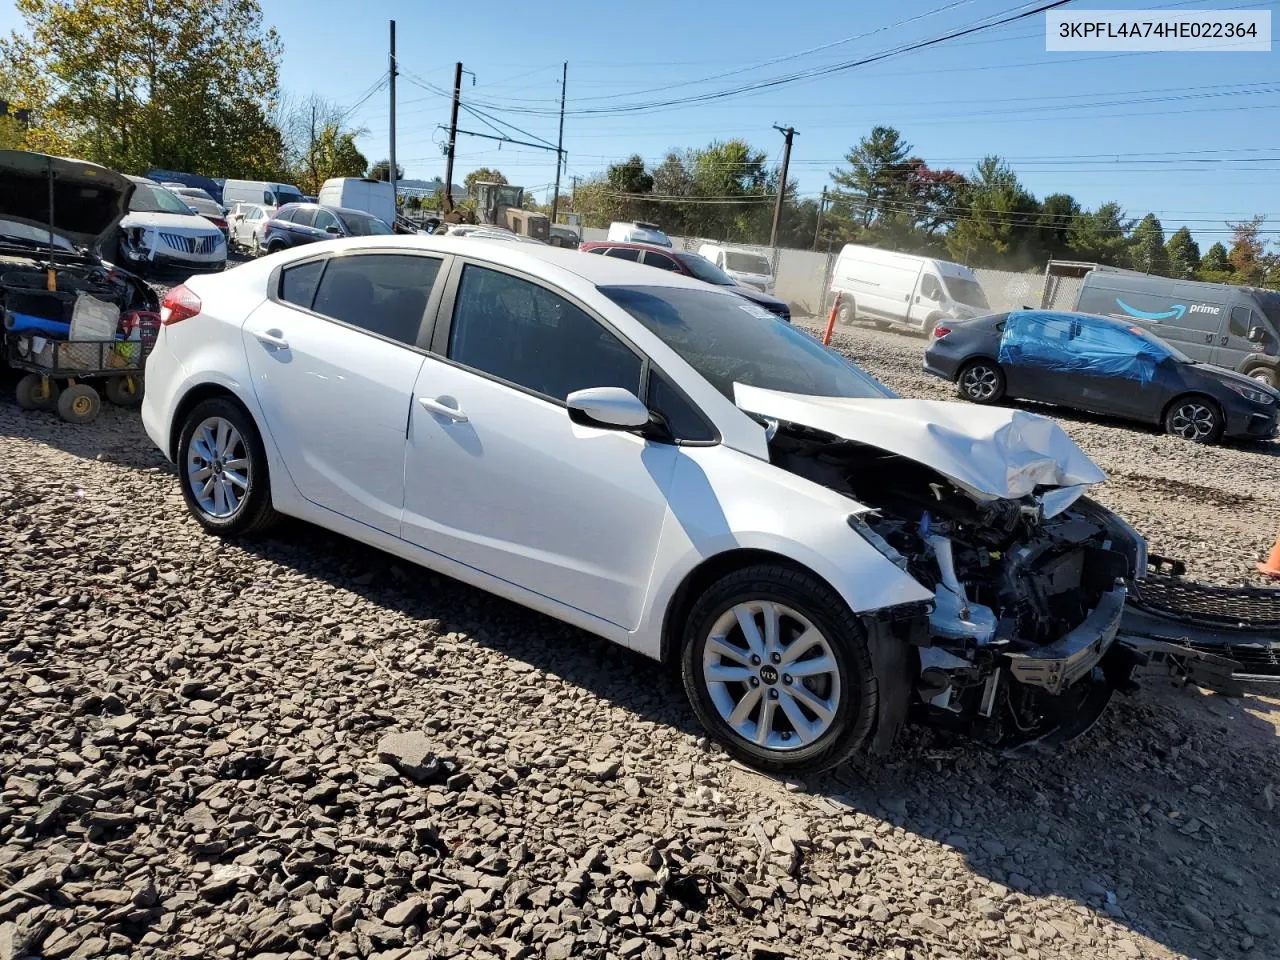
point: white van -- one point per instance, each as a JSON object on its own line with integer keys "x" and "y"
{"x": 375, "y": 197}
{"x": 900, "y": 288}
{"x": 637, "y": 231}
{"x": 260, "y": 192}
{"x": 750, "y": 268}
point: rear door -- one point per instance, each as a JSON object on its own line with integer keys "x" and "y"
{"x": 334, "y": 356}
{"x": 660, "y": 260}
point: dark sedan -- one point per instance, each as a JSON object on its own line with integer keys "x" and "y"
{"x": 690, "y": 265}
{"x": 1103, "y": 366}
{"x": 297, "y": 223}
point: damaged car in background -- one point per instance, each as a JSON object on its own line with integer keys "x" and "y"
{"x": 660, "y": 463}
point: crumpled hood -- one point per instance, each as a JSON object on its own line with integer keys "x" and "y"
{"x": 991, "y": 453}
{"x": 88, "y": 199}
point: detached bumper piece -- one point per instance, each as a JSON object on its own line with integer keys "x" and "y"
{"x": 1217, "y": 637}
{"x": 1059, "y": 665}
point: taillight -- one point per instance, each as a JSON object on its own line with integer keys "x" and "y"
{"x": 180, "y": 303}
{"x": 940, "y": 332}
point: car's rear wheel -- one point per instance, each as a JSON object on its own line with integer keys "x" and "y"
{"x": 1194, "y": 418}
{"x": 222, "y": 468}
{"x": 777, "y": 669}
{"x": 981, "y": 381}
{"x": 848, "y": 312}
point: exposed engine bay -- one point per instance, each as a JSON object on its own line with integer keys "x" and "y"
{"x": 1028, "y": 593}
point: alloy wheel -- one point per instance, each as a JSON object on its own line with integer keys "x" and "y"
{"x": 218, "y": 467}
{"x": 1192, "y": 421}
{"x": 980, "y": 382}
{"x": 771, "y": 675}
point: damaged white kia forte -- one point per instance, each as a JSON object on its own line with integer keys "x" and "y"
{"x": 665, "y": 465}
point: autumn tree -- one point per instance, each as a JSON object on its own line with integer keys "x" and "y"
{"x": 1183, "y": 254}
{"x": 132, "y": 84}
{"x": 482, "y": 175}
{"x": 1247, "y": 254}
{"x": 382, "y": 171}
{"x": 333, "y": 155}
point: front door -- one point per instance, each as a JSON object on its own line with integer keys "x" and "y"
{"x": 1234, "y": 345}
{"x": 499, "y": 478}
{"x": 333, "y": 369}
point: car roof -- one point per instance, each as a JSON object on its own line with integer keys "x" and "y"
{"x": 629, "y": 245}
{"x": 1075, "y": 315}
{"x": 535, "y": 258}
{"x": 329, "y": 207}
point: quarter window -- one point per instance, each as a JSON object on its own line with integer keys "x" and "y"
{"x": 659, "y": 260}
{"x": 382, "y": 293}
{"x": 683, "y": 418}
{"x": 524, "y": 334}
{"x": 298, "y": 284}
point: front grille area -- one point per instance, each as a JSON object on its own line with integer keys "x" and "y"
{"x": 199, "y": 245}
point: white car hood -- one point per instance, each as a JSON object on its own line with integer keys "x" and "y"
{"x": 991, "y": 453}
{"x": 168, "y": 221}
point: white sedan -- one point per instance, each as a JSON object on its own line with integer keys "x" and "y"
{"x": 666, "y": 465}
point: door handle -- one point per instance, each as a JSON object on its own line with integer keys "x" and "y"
{"x": 435, "y": 406}
{"x": 272, "y": 338}
{"x": 1224, "y": 339}
{"x": 1208, "y": 338}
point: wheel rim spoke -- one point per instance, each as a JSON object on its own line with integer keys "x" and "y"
{"x": 801, "y": 724}
{"x": 750, "y": 632}
{"x": 721, "y": 648}
{"x": 815, "y": 667}
{"x": 722, "y": 673}
{"x": 820, "y": 707}
{"x": 800, "y": 646}
{"x": 746, "y": 706}
{"x": 764, "y": 727}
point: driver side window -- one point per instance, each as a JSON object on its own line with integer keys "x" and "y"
{"x": 526, "y": 335}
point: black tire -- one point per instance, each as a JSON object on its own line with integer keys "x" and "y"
{"x": 847, "y": 313}
{"x": 1196, "y": 418}
{"x": 275, "y": 246}
{"x": 255, "y": 248}
{"x": 31, "y": 395}
{"x": 981, "y": 381}
{"x": 79, "y": 404}
{"x": 1266, "y": 375}
{"x": 855, "y": 712}
{"x": 255, "y": 512}
{"x": 124, "y": 391}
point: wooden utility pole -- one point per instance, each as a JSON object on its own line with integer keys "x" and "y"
{"x": 817, "y": 231}
{"x": 391, "y": 175}
{"x": 555, "y": 198}
{"x": 789, "y": 133}
{"x": 453, "y": 138}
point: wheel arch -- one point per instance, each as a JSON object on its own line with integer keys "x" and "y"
{"x": 198, "y": 394}
{"x": 971, "y": 360}
{"x": 1187, "y": 395}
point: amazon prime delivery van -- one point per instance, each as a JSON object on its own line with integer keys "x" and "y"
{"x": 1228, "y": 326}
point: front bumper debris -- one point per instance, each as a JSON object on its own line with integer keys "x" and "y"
{"x": 1220, "y": 638}
{"x": 1059, "y": 665}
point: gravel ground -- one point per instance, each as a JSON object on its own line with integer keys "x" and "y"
{"x": 297, "y": 747}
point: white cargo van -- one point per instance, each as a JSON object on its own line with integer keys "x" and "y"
{"x": 374, "y": 197}
{"x": 901, "y": 288}
{"x": 637, "y": 231}
{"x": 261, "y": 192}
{"x": 750, "y": 268}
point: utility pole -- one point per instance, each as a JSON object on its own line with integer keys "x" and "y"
{"x": 311, "y": 149}
{"x": 453, "y": 138}
{"x": 817, "y": 231}
{"x": 789, "y": 133}
{"x": 392, "y": 173}
{"x": 573, "y": 197}
{"x": 555, "y": 198}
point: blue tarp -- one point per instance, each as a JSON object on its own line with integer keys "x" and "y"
{"x": 1077, "y": 343}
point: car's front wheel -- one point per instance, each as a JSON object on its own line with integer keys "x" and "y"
{"x": 222, "y": 468}
{"x": 777, "y": 669}
{"x": 1266, "y": 375}
{"x": 1194, "y": 418}
{"x": 981, "y": 381}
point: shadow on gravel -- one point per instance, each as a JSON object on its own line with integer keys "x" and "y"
{"x": 1158, "y": 818}
{"x": 113, "y": 438}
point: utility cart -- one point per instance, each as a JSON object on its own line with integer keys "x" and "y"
{"x": 72, "y": 376}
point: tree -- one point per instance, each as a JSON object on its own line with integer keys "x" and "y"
{"x": 483, "y": 175}
{"x": 382, "y": 171}
{"x": 1100, "y": 236}
{"x": 1183, "y": 254}
{"x": 1146, "y": 246}
{"x": 335, "y": 155}
{"x": 1054, "y": 224}
{"x": 184, "y": 84}
{"x": 874, "y": 180}
{"x": 1215, "y": 267}
{"x": 999, "y": 225}
{"x": 1248, "y": 252}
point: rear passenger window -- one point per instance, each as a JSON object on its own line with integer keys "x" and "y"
{"x": 599, "y": 250}
{"x": 383, "y": 293}
{"x": 684, "y": 419}
{"x": 524, "y": 334}
{"x": 660, "y": 261}
{"x": 304, "y": 216}
{"x": 298, "y": 284}
{"x": 624, "y": 253}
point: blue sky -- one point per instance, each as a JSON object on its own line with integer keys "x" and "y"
{"x": 1153, "y": 131}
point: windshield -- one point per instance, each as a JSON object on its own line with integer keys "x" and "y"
{"x": 195, "y": 192}
{"x": 728, "y": 339}
{"x": 704, "y": 269}
{"x": 968, "y": 292}
{"x": 1269, "y": 304}
{"x": 747, "y": 263}
{"x": 151, "y": 198}
{"x": 360, "y": 225}
{"x": 286, "y": 194}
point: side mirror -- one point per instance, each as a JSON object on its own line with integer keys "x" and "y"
{"x": 332, "y": 229}
{"x": 1256, "y": 335}
{"x": 610, "y": 408}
